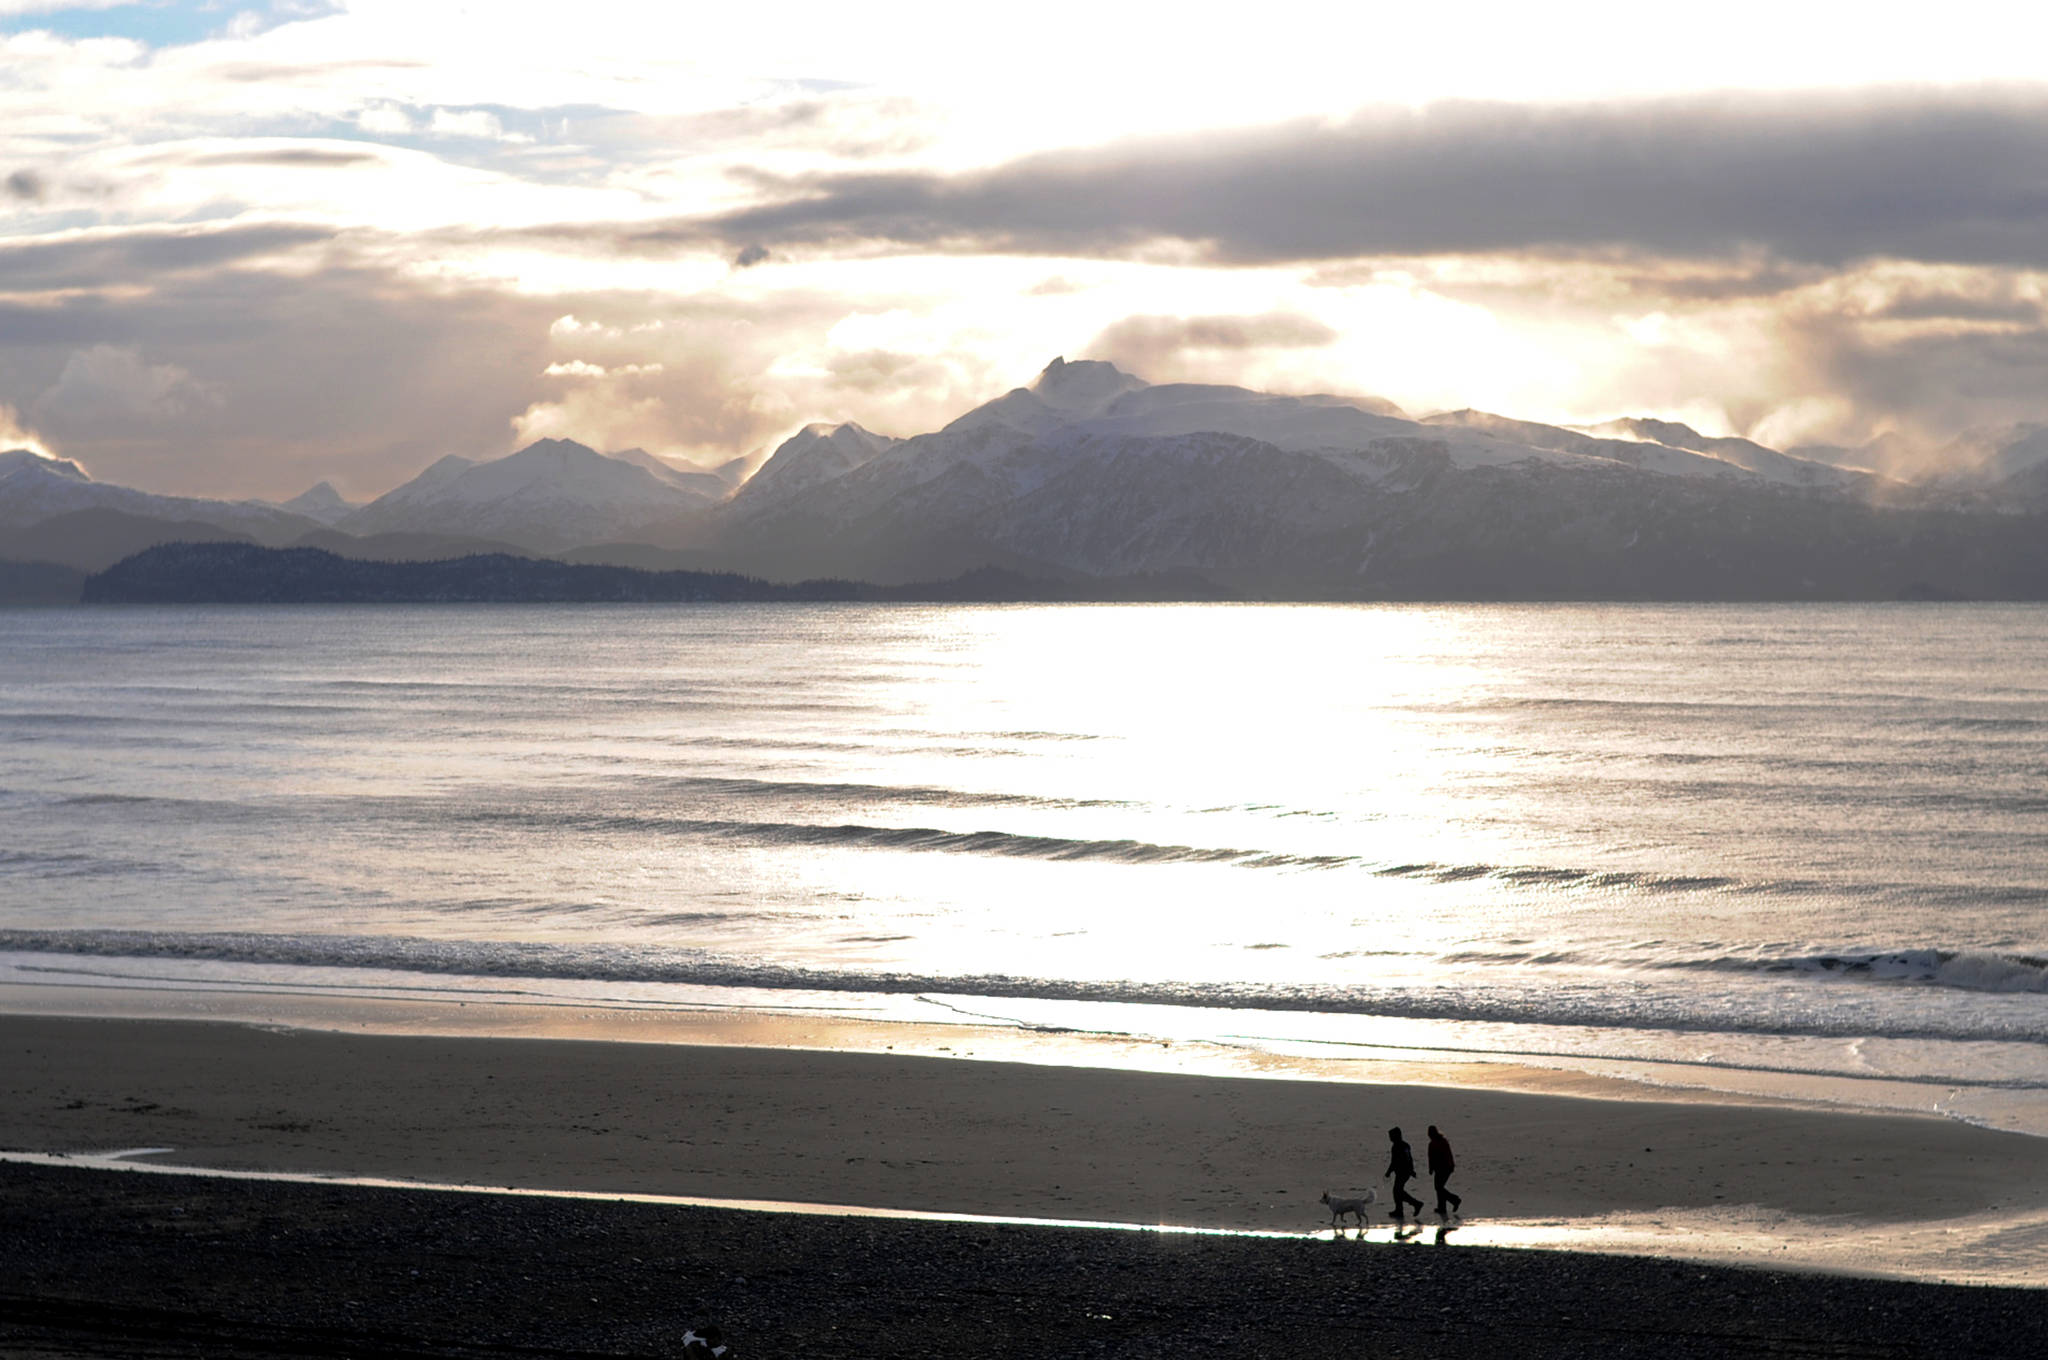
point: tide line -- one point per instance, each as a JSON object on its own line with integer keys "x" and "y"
{"x": 122, "y": 1159}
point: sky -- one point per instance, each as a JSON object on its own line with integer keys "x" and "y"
{"x": 248, "y": 245}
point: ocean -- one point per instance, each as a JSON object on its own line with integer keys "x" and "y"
{"x": 1794, "y": 850}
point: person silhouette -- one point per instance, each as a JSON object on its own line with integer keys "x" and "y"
{"x": 1401, "y": 1167}
{"x": 1441, "y": 1164}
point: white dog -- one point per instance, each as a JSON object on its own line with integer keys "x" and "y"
{"x": 1341, "y": 1207}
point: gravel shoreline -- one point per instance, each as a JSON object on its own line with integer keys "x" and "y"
{"x": 106, "y": 1264}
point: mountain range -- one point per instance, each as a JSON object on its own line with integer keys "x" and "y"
{"x": 1091, "y": 473}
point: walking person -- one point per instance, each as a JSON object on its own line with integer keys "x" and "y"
{"x": 1401, "y": 1167}
{"x": 1441, "y": 1164}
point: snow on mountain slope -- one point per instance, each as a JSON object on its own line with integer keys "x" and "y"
{"x": 1061, "y": 426}
{"x": 1285, "y": 422}
{"x": 1574, "y": 448}
{"x": 1889, "y": 455}
{"x": 35, "y": 488}
{"x": 28, "y": 460}
{"x": 1108, "y": 401}
{"x": 1130, "y": 504}
{"x": 813, "y": 455}
{"x": 735, "y": 471}
{"x": 1060, "y": 395}
{"x": 695, "y": 479}
{"x": 424, "y": 489}
{"x": 1992, "y": 454}
{"x": 1028, "y": 435}
{"x": 1094, "y": 470}
{"x": 320, "y": 502}
{"x": 1767, "y": 463}
{"x": 550, "y": 495}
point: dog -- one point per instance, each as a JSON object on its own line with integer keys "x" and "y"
{"x": 1341, "y": 1207}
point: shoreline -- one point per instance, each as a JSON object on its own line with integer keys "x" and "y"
{"x": 1140, "y": 1038}
{"x": 799, "y": 1122}
{"x": 99, "y": 1266}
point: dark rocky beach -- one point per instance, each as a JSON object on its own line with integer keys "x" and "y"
{"x": 107, "y": 1264}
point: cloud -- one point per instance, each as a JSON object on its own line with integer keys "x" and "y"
{"x": 1148, "y": 344}
{"x": 478, "y": 123}
{"x": 702, "y": 399}
{"x": 1829, "y": 178}
{"x": 249, "y": 382}
{"x": 1943, "y": 306}
{"x": 108, "y": 385}
{"x": 750, "y": 256}
{"x": 48, "y": 6}
{"x": 1930, "y": 385}
{"x": 106, "y": 258}
{"x": 15, "y": 435}
{"x": 241, "y": 379}
{"x": 883, "y": 370}
{"x": 27, "y": 185}
{"x": 382, "y": 120}
{"x": 577, "y": 368}
{"x": 290, "y": 157}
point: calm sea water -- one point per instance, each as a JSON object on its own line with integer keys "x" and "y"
{"x": 1721, "y": 844}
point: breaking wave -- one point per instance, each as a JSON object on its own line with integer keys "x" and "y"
{"x": 1973, "y": 971}
{"x": 1585, "y": 999}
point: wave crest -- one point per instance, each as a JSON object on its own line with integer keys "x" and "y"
{"x": 1605, "y": 1006}
{"x": 1970, "y": 970}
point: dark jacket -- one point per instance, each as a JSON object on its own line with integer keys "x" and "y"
{"x": 1440, "y": 1163}
{"x": 1401, "y": 1165}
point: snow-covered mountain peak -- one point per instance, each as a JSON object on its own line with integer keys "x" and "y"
{"x": 1648, "y": 430}
{"x": 320, "y": 502}
{"x": 552, "y": 494}
{"x": 440, "y": 472}
{"x": 1286, "y": 422}
{"x": 1061, "y": 395}
{"x": 544, "y": 458}
{"x": 29, "y": 460}
{"x": 1084, "y": 387}
{"x": 816, "y": 453}
{"x": 846, "y": 434}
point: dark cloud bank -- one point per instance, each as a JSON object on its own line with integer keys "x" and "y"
{"x": 142, "y": 255}
{"x": 1825, "y": 179}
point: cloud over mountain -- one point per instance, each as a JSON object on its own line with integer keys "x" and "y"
{"x": 348, "y": 234}
{"x": 1930, "y": 176}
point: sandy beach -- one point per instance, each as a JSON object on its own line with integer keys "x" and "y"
{"x": 962, "y": 1135}
{"x": 943, "y": 1134}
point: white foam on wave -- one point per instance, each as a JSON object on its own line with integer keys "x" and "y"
{"x": 1759, "y": 999}
{"x": 1975, "y": 971}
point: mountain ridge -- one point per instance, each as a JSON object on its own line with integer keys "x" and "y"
{"x": 1092, "y": 471}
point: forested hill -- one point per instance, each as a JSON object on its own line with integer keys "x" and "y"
{"x": 242, "y": 573}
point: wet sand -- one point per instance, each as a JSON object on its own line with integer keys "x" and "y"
{"x": 955, "y": 1134}
{"x": 96, "y": 1265}
{"x": 103, "y": 1263}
